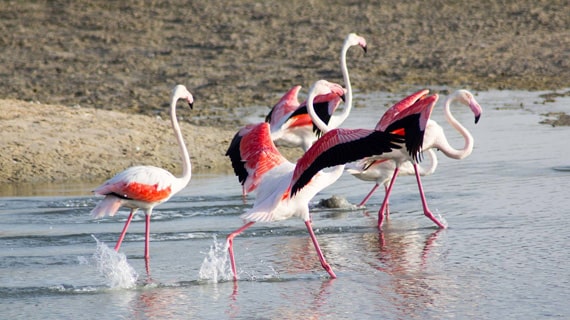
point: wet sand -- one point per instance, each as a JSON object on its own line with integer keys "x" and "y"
{"x": 83, "y": 83}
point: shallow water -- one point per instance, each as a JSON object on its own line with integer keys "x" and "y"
{"x": 503, "y": 256}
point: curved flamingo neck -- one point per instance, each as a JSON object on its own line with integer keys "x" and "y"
{"x": 186, "y": 164}
{"x": 316, "y": 119}
{"x": 337, "y": 120}
{"x": 444, "y": 146}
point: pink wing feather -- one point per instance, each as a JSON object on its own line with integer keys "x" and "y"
{"x": 286, "y": 105}
{"x": 400, "y": 110}
{"x": 259, "y": 154}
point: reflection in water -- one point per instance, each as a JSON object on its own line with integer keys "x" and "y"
{"x": 405, "y": 257}
{"x": 153, "y": 302}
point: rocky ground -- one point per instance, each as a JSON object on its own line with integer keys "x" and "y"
{"x": 85, "y": 85}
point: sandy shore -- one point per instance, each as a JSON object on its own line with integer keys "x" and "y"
{"x": 85, "y": 85}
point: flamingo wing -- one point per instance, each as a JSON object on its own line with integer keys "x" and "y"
{"x": 286, "y": 105}
{"x": 234, "y": 154}
{"x": 411, "y": 122}
{"x": 259, "y": 154}
{"x": 398, "y": 110}
{"x": 340, "y": 146}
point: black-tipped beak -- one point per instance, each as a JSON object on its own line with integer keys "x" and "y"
{"x": 191, "y": 104}
{"x": 365, "y": 48}
{"x": 477, "y": 118}
{"x": 343, "y": 97}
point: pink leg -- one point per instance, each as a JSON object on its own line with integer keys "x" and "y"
{"x": 363, "y": 202}
{"x": 384, "y": 206}
{"x": 324, "y": 263}
{"x": 427, "y": 212}
{"x": 387, "y": 213}
{"x": 147, "y": 237}
{"x": 230, "y": 241}
{"x": 124, "y": 232}
{"x": 243, "y": 194}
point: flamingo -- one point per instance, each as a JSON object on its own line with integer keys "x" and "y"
{"x": 381, "y": 171}
{"x": 434, "y": 137}
{"x": 144, "y": 187}
{"x": 289, "y": 121}
{"x": 409, "y": 119}
{"x": 273, "y": 201}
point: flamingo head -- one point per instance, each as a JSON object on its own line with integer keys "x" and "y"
{"x": 353, "y": 40}
{"x": 465, "y": 97}
{"x": 180, "y": 92}
{"x": 324, "y": 88}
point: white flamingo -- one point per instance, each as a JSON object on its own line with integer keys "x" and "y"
{"x": 144, "y": 187}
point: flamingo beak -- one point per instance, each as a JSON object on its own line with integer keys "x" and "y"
{"x": 476, "y": 108}
{"x": 191, "y": 103}
{"x": 343, "y": 97}
{"x": 365, "y": 48}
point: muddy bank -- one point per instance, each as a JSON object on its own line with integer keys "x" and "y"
{"x": 76, "y": 61}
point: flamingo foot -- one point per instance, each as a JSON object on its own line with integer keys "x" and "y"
{"x": 430, "y": 215}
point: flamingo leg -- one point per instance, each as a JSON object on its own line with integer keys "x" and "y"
{"x": 427, "y": 212}
{"x": 387, "y": 213}
{"x": 384, "y": 207}
{"x": 243, "y": 194}
{"x": 147, "y": 237}
{"x": 324, "y": 263}
{"x": 363, "y": 202}
{"x": 124, "y": 232}
{"x": 230, "y": 242}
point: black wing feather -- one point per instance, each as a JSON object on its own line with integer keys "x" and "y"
{"x": 414, "y": 136}
{"x": 234, "y": 154}
{"x": 376, "y": 143}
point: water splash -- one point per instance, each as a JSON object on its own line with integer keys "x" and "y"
{"x": 114, "y": 267}
{"x": 215, "y": 266}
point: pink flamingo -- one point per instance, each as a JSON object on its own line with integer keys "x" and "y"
{"x": 290, "y": 122}
{"x": 434, "y": 137}
{"x": 381, "y": 171}
{"x": 144, "y": 187}
{"x": 273, "y": 201}
{"x": 409, "y": 119}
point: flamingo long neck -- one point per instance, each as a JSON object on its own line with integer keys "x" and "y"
{"x": 186, "y": 165}
{"x": 316, "y": 119}
{"x": 337, "y": 120}
{"x": 444, "y": 146}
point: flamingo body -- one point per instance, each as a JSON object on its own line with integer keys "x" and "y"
{"x": 274, "y": 173}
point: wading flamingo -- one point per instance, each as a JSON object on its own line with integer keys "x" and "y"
{"x": 290, "y": 122}
{"x": 273, "y": 202}
{"x": 144, "y": 187}
{"x": 434, "y": 137}
{"x": 409, "y": 119}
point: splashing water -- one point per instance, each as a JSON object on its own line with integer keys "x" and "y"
{"x": 114, "y": 267}
{"x": 215, "y": 266}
